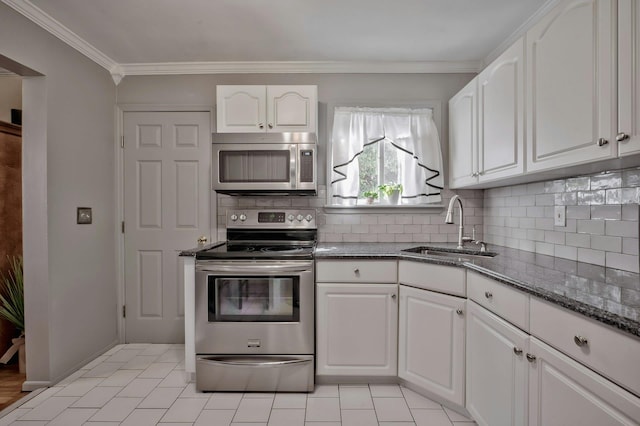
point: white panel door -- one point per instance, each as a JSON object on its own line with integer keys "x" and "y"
{"x": 166, "y": 209}
{"x": 463, "y": 136}
{"x": 241, "y": 109}
{"x": 291, "y": 108}
{"x": 501, "y": 116}
{"x": 564, "y": 392}
{"x": 358, "y": 329}
{"x": 571, "y": 85}
{"x": 431, "y": 342}
{"x": 629, "y": 76}
{"x": 496, "y": 369}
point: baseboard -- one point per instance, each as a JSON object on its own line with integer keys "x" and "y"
{"x": 31, "y": 385}
{"x": 84, "y": 362}
{"x": 355, "y": 380}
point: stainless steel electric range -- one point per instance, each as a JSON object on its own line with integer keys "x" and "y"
{"x": 255, "y": 304}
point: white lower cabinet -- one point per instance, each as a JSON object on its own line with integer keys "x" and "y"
{"x": 496, "y": 369}
{"x": 357, "y": 329}
{"x": 516, "y": 379}
{"x": 431, "y": 342}
{"x": 563, "y": 392}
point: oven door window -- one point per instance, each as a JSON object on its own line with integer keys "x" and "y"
{"x": 253, "y": 299}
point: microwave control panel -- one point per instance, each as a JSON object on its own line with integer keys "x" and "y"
{"x": 306, "y": 165}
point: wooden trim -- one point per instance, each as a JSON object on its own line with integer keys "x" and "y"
{"x": 12, "y": 129}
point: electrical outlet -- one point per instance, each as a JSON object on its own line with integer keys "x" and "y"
{"x": 560, "y": 216}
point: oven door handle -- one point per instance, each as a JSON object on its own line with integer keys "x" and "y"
{"x": 263, "y": 269}
{"x": 243, "y": 363}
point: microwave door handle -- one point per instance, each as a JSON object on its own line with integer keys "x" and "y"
{"x": 293, "y": 166}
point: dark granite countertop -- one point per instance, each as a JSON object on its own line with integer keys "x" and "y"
{"x": 192, "y": 251}
{"x": 608, "y": 295}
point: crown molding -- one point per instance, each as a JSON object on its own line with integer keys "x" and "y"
{"x": 519, "y": 32}
{"x": 45, "y": 21}
{"x": 299, "y": 67}
{"x": 119, "y": 71}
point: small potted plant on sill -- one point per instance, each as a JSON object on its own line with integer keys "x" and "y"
{"x": 391, "y": 191}
{"x": 371, "y": 196}
{"x": 12, "y": 309}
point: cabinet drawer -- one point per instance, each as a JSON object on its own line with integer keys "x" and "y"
{"x": 357, "y": 271}
{"x": 500, "y": 299}
{"x": 606, "y": 350}
{"x": 443, "y": 279}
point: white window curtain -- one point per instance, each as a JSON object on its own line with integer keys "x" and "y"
{"x": 411, "y": 131}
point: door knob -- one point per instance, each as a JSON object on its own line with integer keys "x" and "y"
{"x": 602, "y": 142}
{"x": 202, "y": 240}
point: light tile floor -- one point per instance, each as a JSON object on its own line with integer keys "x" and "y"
{"x": 143, "y": 384}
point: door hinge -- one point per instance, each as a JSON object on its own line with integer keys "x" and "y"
{"x": 124, "y": 311}
{"x": 122, "y": 226}
{"x": 121, "y": 141}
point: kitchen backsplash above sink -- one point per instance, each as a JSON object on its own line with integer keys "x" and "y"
{"x": 601, "y": 218}
{"x": 401, "y": 227}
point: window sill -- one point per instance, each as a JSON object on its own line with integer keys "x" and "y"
{"x": 384, "y": 208}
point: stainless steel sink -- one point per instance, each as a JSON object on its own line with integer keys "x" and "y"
{"x": 451, "y": 253}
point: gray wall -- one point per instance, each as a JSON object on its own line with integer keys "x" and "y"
{"x": 10, "y": 96}
{"x": 367, "y": 89}
{"x": 69, "y": 152}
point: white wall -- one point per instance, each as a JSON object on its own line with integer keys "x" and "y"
{"x": 10, "y": 96}
{"x": 69, "y": 161}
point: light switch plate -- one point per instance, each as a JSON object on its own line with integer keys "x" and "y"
{"x": 560, "y": 216}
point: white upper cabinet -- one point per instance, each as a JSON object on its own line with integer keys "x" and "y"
{"x": 628, "y": 77}
{"x": 463, "y": 136}
{"x": 501, "y": 116}
{"x": 571, "y": 85}
{"x": 257, "y": 109}
{"x": 291, "y": 108}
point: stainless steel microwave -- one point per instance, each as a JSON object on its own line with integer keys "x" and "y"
{"x": 265, "y": 163}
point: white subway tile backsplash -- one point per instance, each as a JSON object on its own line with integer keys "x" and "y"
{"x": 613, "y": 212}
{"x": 622, "y": 261}
{"x": 591, "y": 226}
{"x": 566, "y": 252}
{"x": 596, "y": 257}
{"x": 622, "y": 228}
{"x": 613, "y": 244}
{"x": 578, "y": 240}
{"x": 578, "y": 212}
{"x": 630, "y": 246}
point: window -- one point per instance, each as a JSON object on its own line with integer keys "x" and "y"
{"x": 376, "y": 152}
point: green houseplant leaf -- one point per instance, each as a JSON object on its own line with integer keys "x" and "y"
{"x": 12, "y": 294}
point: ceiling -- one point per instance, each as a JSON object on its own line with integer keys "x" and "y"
{"x": 162, "y": 31}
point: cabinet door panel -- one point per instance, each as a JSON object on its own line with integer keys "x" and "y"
{"x": 357, "y": 329}
{"x": 571, "y": 83}
{"x": 496, "y": 374}
{"x": 501, "y": 109}
{"x": 241, "y": 109}
{"x": 563, "y": 392}
{"x": 629, "y": 75}
{"x": 431, "y": 342}
{"x": 291, "y": 108}
{"x": 463, "y": 133}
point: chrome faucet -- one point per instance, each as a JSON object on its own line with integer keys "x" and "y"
{"x": 449, "y": 218}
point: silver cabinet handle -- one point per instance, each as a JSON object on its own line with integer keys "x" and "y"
{"x": 249, "y": 363}
{"x": 488, "y": 294}
{"x": 356, "y": 271}
{"x": 459, "y": 312}
{"x": 270, "y": 126}
{"x": 393, "y": 296}
{"x": 621, "y": 137}
{"x": 517, "y": 351}
{"x": 261, "y": 125}
{"x": 602, "y": 142}
{"x": 531, "y": 358}
{"x": 580, "y": 341}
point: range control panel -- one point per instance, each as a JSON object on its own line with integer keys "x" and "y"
{"x": 272, "y": 219}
